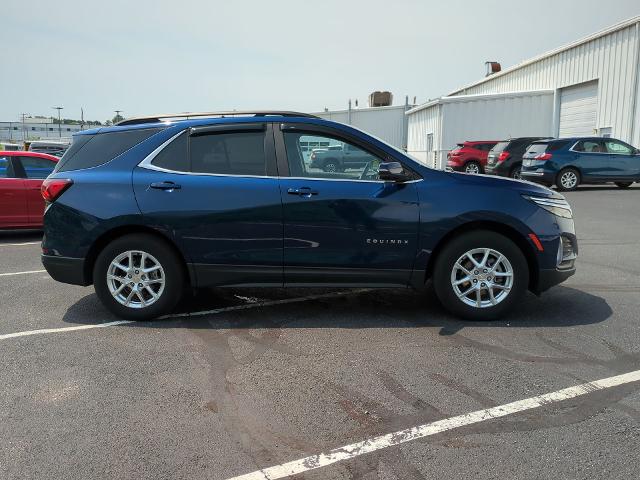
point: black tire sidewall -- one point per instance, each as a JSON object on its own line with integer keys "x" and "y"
{"x": 559, "y": 183}
{"x": 174, "y": 276}
{"x": 455, "y": 249}
{"x": 623, "y": 184}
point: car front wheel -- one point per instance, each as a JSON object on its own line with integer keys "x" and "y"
{"x": 138, "y": 277}
{"x": 480, "y": 275}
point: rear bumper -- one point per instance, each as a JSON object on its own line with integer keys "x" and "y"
{"x": 499, "y": 169}
{"x": 66, "y": 269}
{"x": 545, "y": 178}
{"x": 547, "y": 278}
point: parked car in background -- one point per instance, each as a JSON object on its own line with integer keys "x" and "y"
{"x": 505, "y": 158}
{"x": 569, "y": 162}
{"x": 338, "y": 158}
{"x": 49, "y": 147}
{"x": 21, "y": 176}
{"x": 147, "y": 207}
{"x": 470, "y": 157}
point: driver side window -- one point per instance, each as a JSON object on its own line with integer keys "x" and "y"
{"x": 318, "y": 156}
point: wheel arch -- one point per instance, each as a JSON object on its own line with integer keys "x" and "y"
{"x": 110, "y": 235}
{"x": 503, "y": 229}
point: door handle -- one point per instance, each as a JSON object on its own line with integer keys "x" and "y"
{"x": 165, "y": 186}
{"x": 302, "y": 191}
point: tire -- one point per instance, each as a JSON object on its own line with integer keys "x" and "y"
{"x": 515, "y": 172}
{"x": 165, "y": 284}
{"x": 507, "y": 290}
{"x": 330, "y": 167}
{"x": 473, "y": 167}
{"x": 624, "y": 184}
{"x": 564, "y": 179}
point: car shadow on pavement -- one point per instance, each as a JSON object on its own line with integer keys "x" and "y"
{"x": 379, "y": 308}
{"x": 20, "y": 236}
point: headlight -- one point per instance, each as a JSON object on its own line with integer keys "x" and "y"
{"x": 558, "y": 206}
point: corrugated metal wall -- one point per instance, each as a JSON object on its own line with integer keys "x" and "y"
{"x": 612, "y": 59}
{"x": 497, "y": 118}
{"x": 387, "y": 123}
{"x": 453, "y": 120}
{"x": 420, "y": 124}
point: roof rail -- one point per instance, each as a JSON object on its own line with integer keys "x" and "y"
{"x": 187, "y": 115}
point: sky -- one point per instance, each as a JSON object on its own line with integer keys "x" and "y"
{"x": 153, "y": 56}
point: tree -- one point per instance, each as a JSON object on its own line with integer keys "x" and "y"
{"x": 117, "y": 118}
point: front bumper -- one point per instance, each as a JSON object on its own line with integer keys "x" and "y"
{"x": 547, "y": 278}
{"x": 66, "y": 269}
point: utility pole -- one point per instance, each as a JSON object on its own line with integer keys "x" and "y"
{"x": 23, "y": 128}
{"x": 59, "y": 124}
{"x": 81, "y": 119}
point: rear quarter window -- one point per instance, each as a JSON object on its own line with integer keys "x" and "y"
{"x": 100, "y": 148}
{"x": 500, "y": 146}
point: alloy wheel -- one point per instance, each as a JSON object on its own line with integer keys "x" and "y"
{"x": 482, "y": 277}
{"x": 472, "y": 168}
{"x": 569, "y": 180}
{"x": 135, "y": 279}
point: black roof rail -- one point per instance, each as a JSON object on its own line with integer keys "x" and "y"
{"x": 188, "y": 115}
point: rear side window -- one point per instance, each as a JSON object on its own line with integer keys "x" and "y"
{"x": 240, "y": 153}
{"x": 36, "y": 167}
{"x": 101, "y": 148}
{"x": 174, "y": 156}
{"x": 554, "y": 146}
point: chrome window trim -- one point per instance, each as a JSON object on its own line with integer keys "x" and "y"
{"x": 590, "y": 153}
{"x": 146, "y": 163}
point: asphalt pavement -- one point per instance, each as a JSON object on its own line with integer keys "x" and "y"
{"x": 257, "y": 378}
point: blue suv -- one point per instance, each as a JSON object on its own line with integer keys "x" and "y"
{"x": 569, "y": 162}
{"x": 155, "y": 205}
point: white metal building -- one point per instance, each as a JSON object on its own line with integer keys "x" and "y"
{"x": 387, "y": 123}
{"x": 593, "y": 85}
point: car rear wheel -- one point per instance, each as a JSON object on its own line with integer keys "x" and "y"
{"x": 568, "y": 179}
{"x": 330, "y": 167}
{"x": 624, "y": 184}
{"x": 516, "y": 172}
{"x": 480, "y": 275}
{"x": 473, "y": 168}
{"x": 138, "y": 277}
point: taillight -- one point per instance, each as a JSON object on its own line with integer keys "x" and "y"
{"x": 503, "y": 156}
{"x": 52, "y": 188}
{"x": 543, "y": 156}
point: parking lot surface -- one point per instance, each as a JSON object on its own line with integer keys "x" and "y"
{"x": 257, "y": 378}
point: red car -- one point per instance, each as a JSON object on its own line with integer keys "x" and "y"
{"x": 21, "y": 176}
{"x": 470, "y": 157}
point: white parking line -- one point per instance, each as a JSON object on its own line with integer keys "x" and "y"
{"x": 21, "y": 273}
{"x": 396, "y": 438}
{"x": 27, "y": 333}
{"x": 19, "y": 244}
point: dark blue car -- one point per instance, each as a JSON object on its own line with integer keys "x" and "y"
{"x": 569, "y": 162}
{"x": 153, "y": 205}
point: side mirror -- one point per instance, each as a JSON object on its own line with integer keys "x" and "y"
{"x": 392, "y": 171}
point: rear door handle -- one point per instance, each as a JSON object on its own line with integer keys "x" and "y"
{"x": 302, "y": 191}
{"x": 165, "y": 186}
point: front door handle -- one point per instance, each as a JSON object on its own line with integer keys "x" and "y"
{"x": 165, "y": 186}
{"x": 302, "y": 191}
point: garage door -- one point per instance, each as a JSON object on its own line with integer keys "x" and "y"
{"x": 578, "y": 108}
